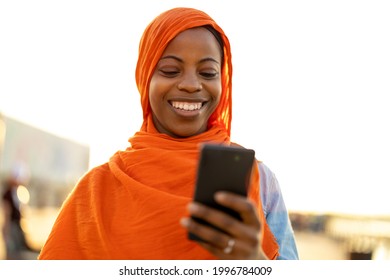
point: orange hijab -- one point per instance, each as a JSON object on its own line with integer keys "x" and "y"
{"x": 130, "y": 207}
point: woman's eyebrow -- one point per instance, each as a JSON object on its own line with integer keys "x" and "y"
{"x": 209, "y": 59}
{"x": 173, "y": 57}
{"x": 181, "y": 60}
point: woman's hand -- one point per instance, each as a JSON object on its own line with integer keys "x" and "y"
{"x": 240, "y": 239}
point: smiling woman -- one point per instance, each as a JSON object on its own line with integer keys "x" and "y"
{"x": 139, "y": 205}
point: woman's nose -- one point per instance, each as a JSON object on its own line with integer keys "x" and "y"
{"x": 190, "y": 83}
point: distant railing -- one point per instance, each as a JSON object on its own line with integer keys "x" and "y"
{"x": 365, "y": 237}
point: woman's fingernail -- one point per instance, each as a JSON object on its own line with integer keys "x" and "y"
{"x": 184, "y": 222}
{"x": 220, "y": 196}
{"x": 193, "y": 207}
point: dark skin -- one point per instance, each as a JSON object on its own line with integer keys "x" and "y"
{"x": 184, "y": 91}
{"x": 245, "y": 232}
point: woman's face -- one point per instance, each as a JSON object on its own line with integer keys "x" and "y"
{"x": 186, "y": 86}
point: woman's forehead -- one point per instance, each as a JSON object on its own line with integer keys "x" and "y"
{"x": 194, "y": 41}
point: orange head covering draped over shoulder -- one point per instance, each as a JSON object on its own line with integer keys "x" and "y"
{"x": 130, "y": 207}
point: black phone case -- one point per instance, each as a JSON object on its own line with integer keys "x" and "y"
{"x": 225, "y": 168}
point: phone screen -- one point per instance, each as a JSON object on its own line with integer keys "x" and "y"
{"x": 225, "y": 168}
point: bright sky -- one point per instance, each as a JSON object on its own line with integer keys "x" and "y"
{"x": 311, "y": 85}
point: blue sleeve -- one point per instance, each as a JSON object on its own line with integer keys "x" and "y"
{"x": 276, "y": 214}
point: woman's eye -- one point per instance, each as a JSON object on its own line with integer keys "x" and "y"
{"x": 169, "y": 73}
{"x": 208, "y": 75}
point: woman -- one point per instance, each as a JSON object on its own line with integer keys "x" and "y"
{"x": 137, "y": 206}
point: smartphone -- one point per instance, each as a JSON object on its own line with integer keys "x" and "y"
{"x": 222, "y": 168}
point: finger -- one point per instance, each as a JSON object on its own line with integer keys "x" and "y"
{"x": 219, "y": 253}
{"x": 242, "y": 205}
{"x": 214, "y": 237}
{"x": 225, "y": 222}
{"x": 239, "y": 251}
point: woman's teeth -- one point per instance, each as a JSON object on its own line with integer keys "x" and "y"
{"x": 187, "y": 106}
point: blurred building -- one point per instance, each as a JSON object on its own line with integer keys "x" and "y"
{"x": 342, "y": 236}
{"x": 54, "y": 164}
{"x": 50, "y": 164}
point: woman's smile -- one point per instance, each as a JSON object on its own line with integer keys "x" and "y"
{"x": 187, "y": 109}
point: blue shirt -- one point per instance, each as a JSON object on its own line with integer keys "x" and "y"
{"x": 276, "y": 214}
